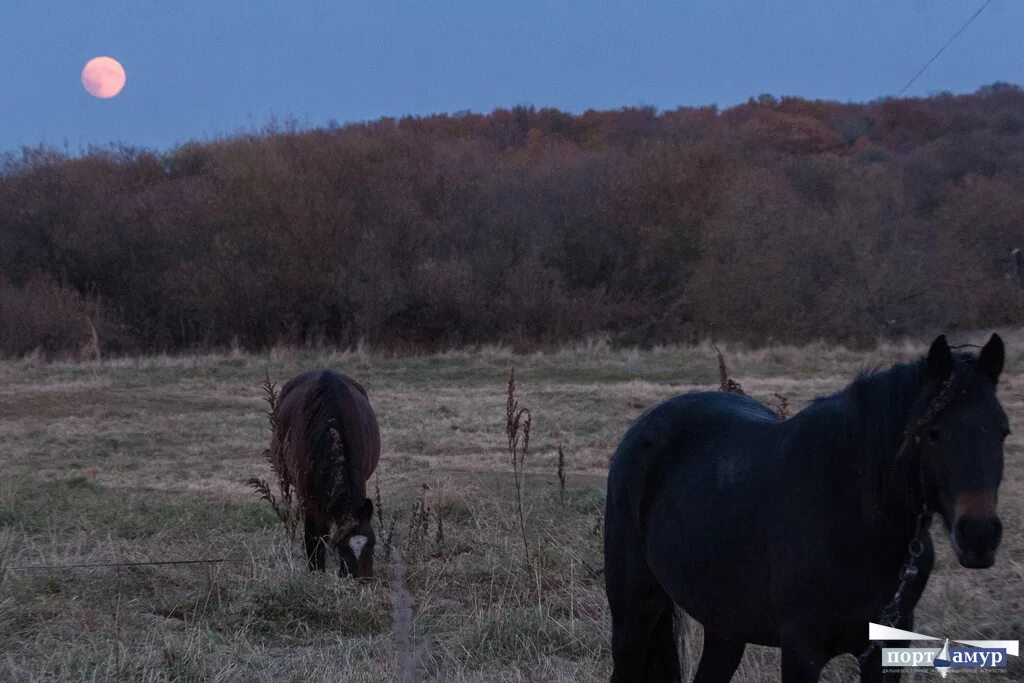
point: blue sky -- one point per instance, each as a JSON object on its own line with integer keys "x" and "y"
{"x": 198, "y": 70}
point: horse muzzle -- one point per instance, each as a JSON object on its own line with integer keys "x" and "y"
{"x": 975, "y": 540}
{"x": 976, "y": 529}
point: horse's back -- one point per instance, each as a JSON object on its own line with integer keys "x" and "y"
{"x": 696, "y": 441}
{"x": 295, "y": 389}
{"x": 692, "y": 426}
{"x": 357, "y": 422}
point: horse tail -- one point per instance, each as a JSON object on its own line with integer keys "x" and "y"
{"x": 330, "y": 440}
{"x": 644, "y": 633}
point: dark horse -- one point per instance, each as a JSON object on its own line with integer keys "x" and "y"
{"x": 327, "y": 436}
{"x": 793, "y": 533}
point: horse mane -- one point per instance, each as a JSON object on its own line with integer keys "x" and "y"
{"x": 331, "y": 480}
{"x": 878, "y": 407}
{"x": 879, "y": 404}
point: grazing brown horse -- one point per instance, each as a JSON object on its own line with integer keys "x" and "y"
{"x": 327, "y": 437}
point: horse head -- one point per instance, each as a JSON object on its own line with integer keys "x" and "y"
{"x": 962, "y": 449}
{"x": 353, "y": 540}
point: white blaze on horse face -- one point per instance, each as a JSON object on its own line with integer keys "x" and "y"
{"x": 339, "y": 531}
{"x": 357, "y": 543}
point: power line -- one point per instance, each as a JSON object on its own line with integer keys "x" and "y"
{"x": 943, "y": 48}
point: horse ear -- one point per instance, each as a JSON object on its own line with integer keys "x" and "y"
{"x": 940, "y": 359}
{"x": 991, "y": 358}
{"x": 365, "y": 512}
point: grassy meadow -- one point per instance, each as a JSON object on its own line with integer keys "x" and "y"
{"x": 147, "y": 459}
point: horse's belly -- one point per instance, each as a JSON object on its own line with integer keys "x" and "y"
{"x": 728, "y": 596}
{"x": 712, "y": 559}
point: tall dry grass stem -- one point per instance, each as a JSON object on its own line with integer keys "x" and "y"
{"x": 6, "y": 551}
{"x": 92, "y": 347}
{"x": 117, "y": 625}
{"x": 726, "y": 383}
{"x": 561, "y": 474}
{"x": 781, "y": 405}
{"x": 419, "y": 520}
{"x": 439, "y": 537}
{"x": 517, "y": 429}
{"x": 284, "y": 504}
{"x": 379, "y": 503}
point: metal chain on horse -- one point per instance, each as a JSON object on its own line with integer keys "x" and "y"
{"x": 890, "y": 615}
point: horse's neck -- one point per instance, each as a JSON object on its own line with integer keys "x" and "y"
{"x": 890, "y": 490}
{"x": 861, "y": 428}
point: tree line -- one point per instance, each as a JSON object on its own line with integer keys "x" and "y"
{"x": 778, "y": 220}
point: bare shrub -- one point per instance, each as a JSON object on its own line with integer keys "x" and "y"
{"x": 48, "y": 316}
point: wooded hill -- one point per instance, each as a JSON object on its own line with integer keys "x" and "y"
{"x": 779, "y": 220}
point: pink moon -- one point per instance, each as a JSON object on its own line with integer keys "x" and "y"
{"x": 103, "y": 77}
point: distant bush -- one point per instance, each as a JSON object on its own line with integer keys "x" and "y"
{"x": 777, "y": 220}
{"x": 50, "y": 318}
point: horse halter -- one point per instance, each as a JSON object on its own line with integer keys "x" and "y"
{"x": 890, "y": 615}
{"x": 913, "y": 433}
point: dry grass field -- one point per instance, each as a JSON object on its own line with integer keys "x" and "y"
{"x": 131, "y": 460}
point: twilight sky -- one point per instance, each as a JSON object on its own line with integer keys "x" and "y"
{"x": 199, "y": 69}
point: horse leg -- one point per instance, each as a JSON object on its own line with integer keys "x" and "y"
{"x": 800, "y": 665}
{"x": 803, "y": 651}
{"x": 644, "y": 646}
{"x": 315, "y": 545}
{"x": 871, "y": 668}
{"x": 643, "y": 634}
{"x": 663, "y": 652}
{"x": 719, "y": 659}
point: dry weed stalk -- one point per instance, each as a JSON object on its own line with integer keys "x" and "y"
{"x": 561, "y": 474}
{"x": 92, "y": 347}
{"x": 782, "y": 406}
{"x": 270, "y": 397}
{"x": 517, "y": 428}
{"x": 389, "y": 539}
{"x": 379, "y": 503}
{"x": 387, "y": 531}
{"x": 598, "y": 524}
{"x": 117, "y": 625}
{"x": 439, "y": 538}
{"x": 726, "y": 383}
{"x": 283, "y": 504}
{"x": 6, "y": 551}
{"x": 419, "y": 521}
{"x": 731, "y": 386}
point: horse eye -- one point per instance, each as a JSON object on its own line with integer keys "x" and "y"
{"x": 933, "y": 435}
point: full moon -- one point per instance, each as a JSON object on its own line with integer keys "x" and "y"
{"x": 103, "y": 77}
